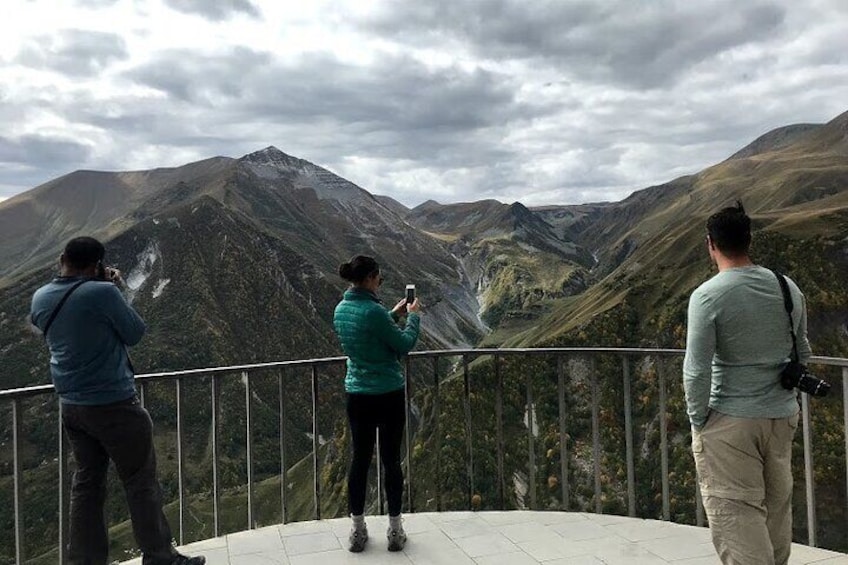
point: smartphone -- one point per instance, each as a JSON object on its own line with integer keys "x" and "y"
{"x": 410, "y": 293}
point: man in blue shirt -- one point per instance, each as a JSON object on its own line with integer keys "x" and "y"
{"x": 88, "y": 326}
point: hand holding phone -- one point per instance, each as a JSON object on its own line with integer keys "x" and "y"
{"x": 413, "y": 307}
{"x": 400, "y": 307}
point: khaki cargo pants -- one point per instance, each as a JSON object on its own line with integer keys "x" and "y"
{"x": 745, "y": 474}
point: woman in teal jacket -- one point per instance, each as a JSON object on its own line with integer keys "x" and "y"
{"x": 373, "y": 341}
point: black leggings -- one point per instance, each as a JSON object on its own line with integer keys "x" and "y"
{"x": 367, "y": 413}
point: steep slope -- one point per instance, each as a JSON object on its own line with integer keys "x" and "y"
{"x": 832, "y": 138}
{"x": 392, "y": 205}
{"x": 213, "y": 289}
{"x": 249, "y": 250}
{"x": 328, "y": 219}
{"x": 33, "y": 225}
{"x": 651, "y": 245}
{"x": 775, "y": 140}
{"x": 516, "y": 259}
{"x": 570, "y": 221}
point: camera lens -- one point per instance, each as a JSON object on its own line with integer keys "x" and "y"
{"x": 822, "y": 388}
{"x": 813, "y": 385}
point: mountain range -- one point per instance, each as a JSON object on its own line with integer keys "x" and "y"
{"x": 235, "y": 260}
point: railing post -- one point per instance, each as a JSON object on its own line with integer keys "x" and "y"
{"x": 666, "y": 508}
{"x": 499, "y": 431}
{"x": 18, "y": 477}
{"x": 315, "y": 446}
{"x": 64, "y": 492}
{"x": 596, "y": 434}
{"x": 283, "y": 468}
{"x": 438, "y": 433}
{"x": 468, "y": 429}
{"x": 248, "y": 424}
{"x": 809, "y": 478}
{"x": 381, "y": 501}
{"x": 628, "y": 436}
{"x": 563, "y": 445}
{"x": 408, "y": 404}
{"x": 180, "y": 463}
{"x": 19, "y": 483}
{"x": 845, "y": 428}
{"x": 531, "y": 443}
{"x": 216, "y": 474}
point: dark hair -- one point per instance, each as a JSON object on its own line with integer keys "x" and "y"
{"x": 358, "y": 269}
{"x": 730, "y": 230}
{"x": 83, "y": 252}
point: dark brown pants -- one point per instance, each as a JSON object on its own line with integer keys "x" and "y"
{"x": 122, "y": 432}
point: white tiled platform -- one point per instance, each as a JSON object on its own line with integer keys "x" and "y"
{"x": 484, "y": 538}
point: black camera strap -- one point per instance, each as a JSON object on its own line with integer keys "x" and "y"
{"x": 789, "y": 306}
{"x": 59, "y": 306}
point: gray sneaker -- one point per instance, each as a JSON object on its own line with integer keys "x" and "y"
{"x": 397, "y": 538}
{"x": 357, "y": 539}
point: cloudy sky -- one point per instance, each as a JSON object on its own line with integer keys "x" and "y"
{"x": 539, "y": 101}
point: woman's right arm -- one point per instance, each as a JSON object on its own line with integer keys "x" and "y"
{"x": 400, "y": 340}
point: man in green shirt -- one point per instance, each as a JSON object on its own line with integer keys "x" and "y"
{"x": 743, "y": 420}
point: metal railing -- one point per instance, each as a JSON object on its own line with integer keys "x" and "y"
{"x": 246, "y": 372}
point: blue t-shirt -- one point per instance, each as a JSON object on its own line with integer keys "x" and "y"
{"x": 88, "y": 340}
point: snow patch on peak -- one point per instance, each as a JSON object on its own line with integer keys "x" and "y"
{"x": 142, "y": 269}
{"x": 160, "y": 286}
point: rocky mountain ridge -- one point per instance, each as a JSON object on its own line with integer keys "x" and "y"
{"x": 479, "y": 263}
{"x": 233, "y": 260}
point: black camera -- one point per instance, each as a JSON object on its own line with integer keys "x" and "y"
{"x": 796, "y": 375}
{"x": 100, "y": 272}
{"x": 107, "y": 274}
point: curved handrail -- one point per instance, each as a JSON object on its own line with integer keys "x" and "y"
{"x": 181, "y": 377}
{"x": 24, "y": 392}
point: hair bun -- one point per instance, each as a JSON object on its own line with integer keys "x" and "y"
{"x": 346, "y": 271}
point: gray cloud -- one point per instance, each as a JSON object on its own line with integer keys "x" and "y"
{"x": 24, "y": 148}
{"x": 630, "y": 43}
{"x": 74, "y": 52}
{"x": 33, "y": 159}
{"x": 404, "y": 111}
{"x": 216, "y": 10}
{"x": 564, "y": 103}
{"x": 95, "y": 3}
{"x": 200, "y": 79}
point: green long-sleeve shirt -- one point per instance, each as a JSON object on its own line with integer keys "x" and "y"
{"x": 738, "y": 342}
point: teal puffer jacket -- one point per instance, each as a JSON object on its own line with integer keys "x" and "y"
{"x": 373, "y": 342}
